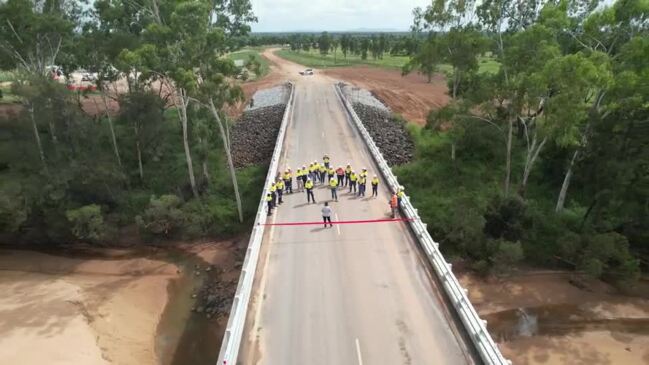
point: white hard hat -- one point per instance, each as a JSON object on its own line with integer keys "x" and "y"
{"x": 401, "y": 187}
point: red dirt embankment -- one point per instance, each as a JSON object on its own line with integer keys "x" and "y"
{"x": 412, "y": 95}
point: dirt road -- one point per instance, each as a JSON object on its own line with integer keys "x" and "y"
{"x": 349, "y": 294}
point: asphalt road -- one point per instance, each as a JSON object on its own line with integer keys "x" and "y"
{"x": 352, "y": 294}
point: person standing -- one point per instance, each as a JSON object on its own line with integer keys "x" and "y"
{"x": 323, "y": 173}
{"x": 362, "y": 180}
{"x": 394, "y": 205}
{"x": 326, "y": 160}
{"x": 326, "y": 214}
{"x": 273, "y": 193}
{"x": 269, "y": 201}
{"x": 348, "y": 172}
{"x": 400, "y": 194}
{"x": 305, "y": 176}
{"x": 340, "y": 172}
{"x": 311, "y": 172}
{"x": 353, "y": 178}
{"x": 309, "y": 191}
{"x": 333, "y": 185}
{"x": 375, "y": 186}
{"x": 288, "y": 181}
{"x": 280, "y": 190}
{"x": 364, "y": 173}
{"x": 331, "y": 172}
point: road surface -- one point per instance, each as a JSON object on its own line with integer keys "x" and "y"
{"x": 352, "y": 294}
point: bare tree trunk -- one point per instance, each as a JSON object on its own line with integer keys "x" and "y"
{"x": 508, "y": 167}
{"x": 532, "y": 154}
{"x": 228, "y": 153}
{"x": 139, "y": 154}
{"x": 37, "y": 137}
{"x": 566, "y": 183}
{"x": 188, "y": 156}
{"x": 112, "y": 129}
{"x": 206, "y": 171}
{"x": 453, "y": 151}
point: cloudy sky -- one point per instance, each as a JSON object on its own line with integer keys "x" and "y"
{"x": 333, "y": 15}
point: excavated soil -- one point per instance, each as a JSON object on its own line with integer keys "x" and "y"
{"x": 412, "y": 95}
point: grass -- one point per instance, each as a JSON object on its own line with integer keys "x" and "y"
{"x": 7, "y": 96}
{"x": 6, "y": 76}
{"x": 313, "y": 58}
{"x": 255, "y": 52}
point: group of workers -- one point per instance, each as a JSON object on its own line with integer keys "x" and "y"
{"x": 324, "y": 173}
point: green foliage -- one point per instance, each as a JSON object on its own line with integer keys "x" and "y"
{"x": 163, "y": 217}
{"x": 87, "y": 222}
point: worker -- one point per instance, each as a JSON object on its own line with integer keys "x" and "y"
{"x": 341, "y": 176}
{"x": 311, "y": 171}
{"x": 375, "y": 186}
{"x": 323, "y": 173}
{"x": 308, "y": 185}
{"x": 326, "y": 160}
{"x": 269, "y": 201}
{"x": 273, "y": 189}
{"x": 362, "y": 181}
{"x": 401, "y": 194}
{"x": 326, "y": 215}
{"x": 394, "y": 204}
{"x": 353, "y": 178}
{"x": 333, "y": 185}
{"x": 280, "y": 190}
{"x": 305, "y": 176}
{"x": 348, "y": 171}
{"x": 331, "y": 172}
{"x": 288, "y": 181}
{"x": 364, "y": 173}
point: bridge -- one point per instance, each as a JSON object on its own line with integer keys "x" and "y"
{"x": 377, "y": 293}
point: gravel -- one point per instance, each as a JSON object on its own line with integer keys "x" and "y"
{"x": 254, "y": 135}
{"x": 362, "y": 96}
{"x": 388, "y": 132}
{"x": 268, "y": 97}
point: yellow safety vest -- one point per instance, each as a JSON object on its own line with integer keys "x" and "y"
{"x": 322, "y": 168}
{"x": 331, "y": 171}
{"x": 280, "y": 185}
{"x": 348, "y": 170}
{"x": 273, "y": 188}
{"x": 353, "y": 177}
{"x": 309, "y": 185}
{"x": 400, "y": 194}
{"x": 362, "y": 180}
{"x": 375, "y": 181}
{"x": 269, "y": 198}
{"x": 325, "y": 159}
{"x": 287, "y": 176}
{"x": 364, "y": 174}
{"x": 312, "y": 168}
{"x": 333, "y": 183}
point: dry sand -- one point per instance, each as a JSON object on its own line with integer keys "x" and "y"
{"x": 596, "y": 339}
{"x": 59, "y": 310}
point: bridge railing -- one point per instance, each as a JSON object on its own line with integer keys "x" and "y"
{"x": 473, "y": 324}
{"x": 236, "y": 322}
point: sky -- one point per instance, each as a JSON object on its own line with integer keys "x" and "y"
{"x": 333, "y": 15}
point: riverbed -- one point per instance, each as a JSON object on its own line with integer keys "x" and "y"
{"x": 554, "y": 317}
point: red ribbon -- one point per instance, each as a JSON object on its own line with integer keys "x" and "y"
{"x": 339, "y": 222}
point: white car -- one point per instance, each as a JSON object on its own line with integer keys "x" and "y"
{"x": 306, "y": 72}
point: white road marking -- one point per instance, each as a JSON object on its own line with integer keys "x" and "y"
{"x": 337, "y": 225}
{"x": 358, "y": 353}
{"x": 322, "y": 134}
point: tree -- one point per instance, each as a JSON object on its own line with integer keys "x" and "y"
{"x": 87, "y": 222}
{"x": 324, "y": 43}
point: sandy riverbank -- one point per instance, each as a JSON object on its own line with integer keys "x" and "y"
{"x": 543, "y": 318}
{"x": 60, "y": 310}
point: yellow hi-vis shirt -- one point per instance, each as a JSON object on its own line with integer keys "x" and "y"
{"x": 273, "y": 187}
{"x": 333, "y": 183}
{"x": 364, "y": 174}
{"x": 325, "y": 159}
{"x": 400, "y": 194}
{"x": 348, "y": 170}
{"x": 353, "y": 177}
{"x": 331, "y": 171}
{"x": 308, "y": 185}
{"x": 375, "y": 181}
{"x": 362, "y": 180}
{"x": 322, "y": 168}
{"x": 280, "y": 185}
{"x": 312, "y": 168}
{"x": 269, "y": 198}
{"x": 287, "y": 176}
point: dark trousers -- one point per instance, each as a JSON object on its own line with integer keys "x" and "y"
{"x": 326, "y": 164}
{"x": 323, "y": 174}
{"x": 347, "y": 181}
{"x": 375, "y": 190}
{"x": 274, "y": 196}
{"x": 330, "y": 177}
{"x": 352, "y": 186}
{"x": 341, "y": 180}
{"x": 280, "y": 192}
{"x": 334, "y": 194}
{"x": 289, "y": 186}
{"x": 327, "y": 219}
{"x": 361, "y": 189}
{"x": 270, "y": 207}
{"x": 309, "y": 195}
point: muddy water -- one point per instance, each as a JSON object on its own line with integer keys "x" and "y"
{"x": 185, "y": 337}
{"x": 556, "y": 320}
